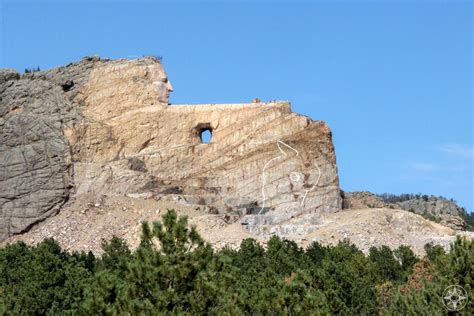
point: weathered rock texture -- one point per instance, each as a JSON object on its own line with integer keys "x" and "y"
{"x": 101, "y": 127}
{"x": 363, "y": 199}
{"x": 35, "y": 160}
{"x": 437, "y": 209}
{"x": 445, "y": 212}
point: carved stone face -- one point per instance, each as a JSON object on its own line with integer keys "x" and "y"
{"x": 126, "y": 85}
{"x": 160, "y": 81}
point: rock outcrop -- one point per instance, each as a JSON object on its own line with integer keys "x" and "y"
{"x": 103, "y": 127}
{"x": 437, "y": 209}
{"x": 441, "y": 210}
{"x": 363, "y": 199}
{"x": 35, "y": 160}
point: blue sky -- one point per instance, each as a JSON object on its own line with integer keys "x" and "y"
{"x": 393, "y": 79}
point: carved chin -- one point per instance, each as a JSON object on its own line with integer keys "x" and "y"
{"x": 163, "y": 97}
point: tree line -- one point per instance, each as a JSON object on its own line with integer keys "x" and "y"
{"x": 174, "y": 271}
{"x": 397, "y": 198}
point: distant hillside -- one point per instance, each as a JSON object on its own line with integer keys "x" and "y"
{"x": 435, "y": 208}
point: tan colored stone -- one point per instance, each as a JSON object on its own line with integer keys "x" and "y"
{"x": 115, "y": 134}
{"x": 127, "y": 120}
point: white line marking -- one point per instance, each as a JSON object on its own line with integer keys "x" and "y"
{"x": 284, "y": 154}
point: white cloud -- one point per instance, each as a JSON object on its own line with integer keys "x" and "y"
{"x": 425, "y": 167}
{"x": 457, "y": 150}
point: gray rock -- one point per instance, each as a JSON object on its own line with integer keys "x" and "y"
{"x": 363, "y": 199}
{"x": 441, "y": 210}
{"x": 437, "y": 209}
{"x": 35, "y": 162}
{"x": 8, "y": 74}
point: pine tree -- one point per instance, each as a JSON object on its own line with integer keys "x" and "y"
{"x": 407, "y": 259}
{"x": 387, "y": 266}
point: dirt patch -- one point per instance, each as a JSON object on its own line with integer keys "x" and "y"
{"x": 85, "y": 222}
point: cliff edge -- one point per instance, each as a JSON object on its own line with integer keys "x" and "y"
{"x": 104, "y": 129}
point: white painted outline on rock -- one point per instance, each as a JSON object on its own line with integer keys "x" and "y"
{"x": 284, "y": 154}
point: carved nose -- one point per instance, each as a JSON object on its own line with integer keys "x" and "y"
{"x": 169, "y": 86}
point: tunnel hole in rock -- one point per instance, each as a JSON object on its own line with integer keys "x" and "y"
{"x": 206, "y": 136}
{"x": 204, "y": 130}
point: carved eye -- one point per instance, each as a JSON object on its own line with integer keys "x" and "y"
{"x": 164, "y": 80}
{"x": 295, "y": 176}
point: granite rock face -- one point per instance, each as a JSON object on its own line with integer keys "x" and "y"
{"x": 101, "y": 127}
{"x": 445, "y": 212}
{"x": 35, "y": 160}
